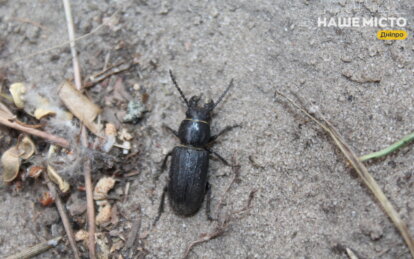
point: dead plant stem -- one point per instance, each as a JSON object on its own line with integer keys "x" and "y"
{"x": 84, "y": 136}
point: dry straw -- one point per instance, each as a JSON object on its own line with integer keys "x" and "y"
{"x": 362, "y": 171}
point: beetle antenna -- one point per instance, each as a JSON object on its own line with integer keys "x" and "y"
{"x": 223, "y": 94}
{"x": 178, "y": 88}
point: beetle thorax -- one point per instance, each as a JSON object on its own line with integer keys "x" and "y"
{"x": 195, "y": 129}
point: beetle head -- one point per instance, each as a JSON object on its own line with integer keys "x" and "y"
{"x": 199, "y": 112}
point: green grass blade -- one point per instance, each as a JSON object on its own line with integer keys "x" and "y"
{"x": 383, "y": 152}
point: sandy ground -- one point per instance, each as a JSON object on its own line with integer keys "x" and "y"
{"x": 309, "y": 203}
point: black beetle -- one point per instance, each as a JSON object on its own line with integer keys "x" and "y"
{"x": 189, "y": 163}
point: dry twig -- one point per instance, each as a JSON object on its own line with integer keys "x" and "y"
{"x": 28, "y": 21}
{"x": 84, "y": 138}
{"x": 129, "y": 247}
{"x": 218, "y": 231}
{"x": 223, "y": 225}
{"x": 127, "y": 185}
{"x": 64, "y": 44}
{"x": 12, "y": 123}
{"x": 236, "y": 171}
{"x": 363, "y": 173}
{"x": 63, "y": 216}
{"x": 132, "y": 173}
{"x": 110, "y": 71}
{"x": 36, "y": 249}
{"x": 351, "y": 254}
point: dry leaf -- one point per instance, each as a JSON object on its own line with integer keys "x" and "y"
{"x": 110, "y": 137}
{"x": 11, "y": 164}
{"x": 17, "y": 91}
{"x": 82, "y": 235}
{"x": 116, "y": 246}
{"x": 124, "y": 135}
{"x": 114, "y": 215}
{"x": 83, "y": 108}
{"x": 35, "y": 171}
{"x": 110, "y": 129}
{"x": 144, "y": 234}
{"x": 104, "y": 213}
{"x": 103, "y": 249}
{"x": 52, "y": 151}
{"x": 126, "y": 146}
{"x": 44, "y": 108}
{"x": 26, "y": 147}
{"x": 104, "y": 185}
{"x": 42, "y": 112}
{"x": 46, "y": 199}
{"x": 11, "y": 159}
{"x": 57, "y": 179}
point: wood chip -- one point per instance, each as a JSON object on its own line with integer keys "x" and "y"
{"x": 80, "y": 105}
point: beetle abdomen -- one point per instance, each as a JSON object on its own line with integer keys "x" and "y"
{"x": 188, "y": 178}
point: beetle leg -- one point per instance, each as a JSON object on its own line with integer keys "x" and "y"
{"x": 218, "y": 156}
{"x": 208, "y": 202}
{"x": 163, "y": 166}
{"x": 161, "y": 207}
{"x": 223, "y": 131}
{"x": 164, "y": 162}
{"x": 171, "y": 130}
